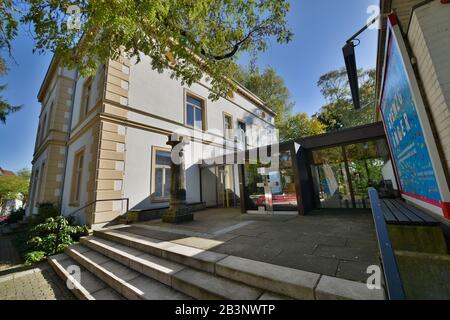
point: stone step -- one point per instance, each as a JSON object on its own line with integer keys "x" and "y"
{"x": 270, "y": 278}
{"x": 88, "y": 287}
{"x": 193, "y": 257}
{"x": 154, "y": 267}
{"x": 197, "y": 284}
{"x": 129, "y": 283}
{"x": 205, "y": 286}
{"x": 290, "y": 282}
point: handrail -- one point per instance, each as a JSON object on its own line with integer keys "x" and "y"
{"x": 394, "y": 285}
{"x": 102, "y": 200}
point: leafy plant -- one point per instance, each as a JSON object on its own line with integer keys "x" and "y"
{"x": 51, "y": 237}
{"x": 34, "y": 256}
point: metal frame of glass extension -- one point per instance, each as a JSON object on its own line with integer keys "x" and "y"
{"x": 253, "y": 201}
{"x": 301, "y": 152}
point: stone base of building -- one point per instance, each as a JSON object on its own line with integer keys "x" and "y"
{"x": 179, "y": 215}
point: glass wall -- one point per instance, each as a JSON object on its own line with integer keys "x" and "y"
{"x": 330, "y": 178}
{"x": 342, "y": 175}
{"x": 271, "y": 189}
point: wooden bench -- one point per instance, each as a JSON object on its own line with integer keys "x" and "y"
{"x": 406, "y": 234}
{"x": 397, "y": 212}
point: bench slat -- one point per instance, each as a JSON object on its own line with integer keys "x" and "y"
{"x": 426, "y": 218}
{"x": 407, "y": 213}
{"x": 402, "y": 219}
{"x": 388, "y": 216}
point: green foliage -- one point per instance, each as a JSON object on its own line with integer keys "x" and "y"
{"x": 8, "y": 31}
{"x": 185, "y": 37}
{"x": 268, "y": 86}
{"x": 13, "y": 187}
{"x": 53, "y": 236}
{"x": 300, "y": 125}
{"x": 33, "y": 257}
{"x": 339, "y": 113}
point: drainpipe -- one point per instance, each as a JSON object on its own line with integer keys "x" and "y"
{"x": 66, "y": 155}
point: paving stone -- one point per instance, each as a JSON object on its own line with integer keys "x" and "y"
{"x": 331, "y": 288}
{"x": 200, "y": 243}
{"x": 353, "y": 270}
{"x": 307, "y": 262}
{"x": 346, "y": 253}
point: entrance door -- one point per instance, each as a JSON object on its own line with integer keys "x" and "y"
{"x": 270, "y": 190}
{"x": 226, "y": 196}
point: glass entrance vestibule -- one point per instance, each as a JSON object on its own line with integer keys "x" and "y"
{"x": 328, "y": 171}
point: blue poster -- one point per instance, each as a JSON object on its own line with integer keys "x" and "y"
{"x": 405, "y": 134}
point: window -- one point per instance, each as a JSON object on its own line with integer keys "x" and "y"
{"x": 49, "y": 117}
{"x": 44, "y": 125}
{"x": 161, "y": 174}
{"x": 77, "y": 177}
{"x": 85, "y": 98}
{"x": 242, "y": 127}
{"x": 194, "y": 112}
{"x": 228, "y": 126}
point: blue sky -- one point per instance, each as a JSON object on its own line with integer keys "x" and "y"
{"x": 320, "y": 26}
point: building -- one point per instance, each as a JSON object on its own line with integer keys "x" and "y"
{"x": 413, "y": 92}
{"x": 101, "y": 144}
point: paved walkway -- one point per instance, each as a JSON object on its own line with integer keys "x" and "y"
{"x": 339, "y": 243}
{"x": 9, "y": 257}
{"x": 37, "y": 283}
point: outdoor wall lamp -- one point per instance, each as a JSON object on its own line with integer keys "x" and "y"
{"x": 350, "y": 63}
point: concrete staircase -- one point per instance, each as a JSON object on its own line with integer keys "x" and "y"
{"x": 116, "y": 264}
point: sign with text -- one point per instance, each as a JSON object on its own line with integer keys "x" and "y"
{"x": 404, "y": 130}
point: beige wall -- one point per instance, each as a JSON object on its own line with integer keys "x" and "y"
{"x": 429, "y": 39}
{"x": 51, "y": 138}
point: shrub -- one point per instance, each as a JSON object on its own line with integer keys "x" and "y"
{"x": 34, "y": 256}
{"x": 51, "y": 237}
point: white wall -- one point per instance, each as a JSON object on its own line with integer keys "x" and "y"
{"x": 158, "y": 94}
{"x": 85, "y": 140}
{"x": 138, "y": 159}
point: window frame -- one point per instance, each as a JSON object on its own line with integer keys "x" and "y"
{"x": 85, "y": 98}
{"x": 154, "y": 198}
{"x": 43, "y": 132}
{"x": 193, "y": 95}
{"x": 224, "y": 117}
{"x": 77, "y": 177}
{"x": 245, "y": 131}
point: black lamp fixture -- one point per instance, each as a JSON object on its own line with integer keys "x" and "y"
{"x": 350, "y": 63}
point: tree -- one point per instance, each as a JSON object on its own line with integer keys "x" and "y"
{"x": 8, "y": 31}
{"x": 14, "y": 187}
{"x": 339, "y": 113}
{"x": 186, "y": 37}
{"x": 301, "y": 125}
{"x": 270, "y": 87}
